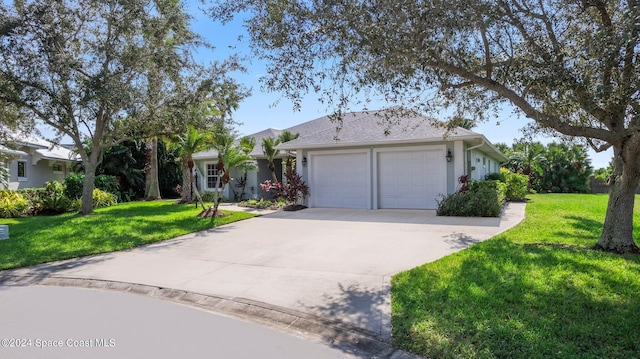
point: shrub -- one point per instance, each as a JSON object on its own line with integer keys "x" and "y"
{"x": 53, "y": 199}
{"x": 208, "y": 196}
{"x": 482, "y": 199}
{"x": 517, "y": 185}
{"x": 261, "y": 204}
{"x": 34, "y": 198}
{"x": 13, "y": 204}
{"x": 103, "y": 199}
{"x": 293, "y": 191}
{"x": 73, "y": 184}
{"x": 498, "y": 176}
{"x": 108, "y": 184}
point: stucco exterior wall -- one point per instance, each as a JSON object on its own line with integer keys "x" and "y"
{"x": 36, "y": 175}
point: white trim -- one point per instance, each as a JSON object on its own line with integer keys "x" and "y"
{"x": 376, "y": 151}
{"x": 311, "y": 154}
{"x": 205, "y": 181}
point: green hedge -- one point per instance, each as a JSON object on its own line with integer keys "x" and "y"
{"x": 517, "y": 185}
{"x": 483, "y": 199}
{"x": 74, "y": 184}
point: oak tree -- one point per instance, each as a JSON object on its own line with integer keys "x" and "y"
{"x": 571, "y": 66}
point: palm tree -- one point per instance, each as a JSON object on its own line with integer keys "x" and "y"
{"x": 270, "y": 152}
{"x": 247, "y": 144}
{"x": 230, "y": 156}
{"x": 186, "y": 145}
{"x": 528, "y": 159}
{"x": 287, "y": 136}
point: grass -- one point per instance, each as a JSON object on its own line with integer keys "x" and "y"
{"x": 535, "y": 291}
{"x": 41, "y": 239}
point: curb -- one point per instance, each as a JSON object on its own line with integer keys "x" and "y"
{"x": 353, "y": 341}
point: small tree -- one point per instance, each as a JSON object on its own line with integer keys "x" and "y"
{"x": 287, "y": 136}
{"x": 186, "y": 144}
{"x": 270, "y": 152}
{"x": 247, "y": 144}
{"x": 229, "y": 157}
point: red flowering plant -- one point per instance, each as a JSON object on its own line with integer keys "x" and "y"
{"x": 293, "y": 191}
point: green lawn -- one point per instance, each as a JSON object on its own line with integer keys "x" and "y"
{"x": 42, "y": 239}
{"x": 536, "y": 291}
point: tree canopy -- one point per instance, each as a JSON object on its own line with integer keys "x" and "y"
{"x": 102, "y": 71}
{"x": 571, "y": 66}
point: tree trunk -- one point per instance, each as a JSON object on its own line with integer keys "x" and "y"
{"x": 87, "y": 186}
{"x": 272, "y": 168}
{"x": 187, "y": 182}
{"x": 153, "y": 185}
{"x": 617, "y": 233}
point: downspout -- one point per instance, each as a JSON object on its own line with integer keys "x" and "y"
{"x": 482, "y": 143}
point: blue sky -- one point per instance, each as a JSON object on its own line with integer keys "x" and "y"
{"x": 270, "y": 110}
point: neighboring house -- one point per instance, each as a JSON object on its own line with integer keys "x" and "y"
{"x": 35, "y": 161}
{"x": 364, "y": 162}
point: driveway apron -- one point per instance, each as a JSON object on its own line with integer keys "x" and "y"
{"x": 334, "y": 263}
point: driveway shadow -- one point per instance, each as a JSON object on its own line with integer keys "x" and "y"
{"x": 365, "y": 308}
{"x": 37, "y": 273}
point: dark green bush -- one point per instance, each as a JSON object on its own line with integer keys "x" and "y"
{"x": 108, "y": 184}
{"x": 73, "y": 184}
{"x": 497, "y": 176}
{"x": 483, "y": 199}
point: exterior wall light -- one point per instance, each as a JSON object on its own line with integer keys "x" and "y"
{"x": 449, "y": 156}
{"x": 304, "y": 161}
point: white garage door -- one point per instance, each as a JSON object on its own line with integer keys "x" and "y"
{"x": 411, "y": 179}
{"x": 339, "y": 180}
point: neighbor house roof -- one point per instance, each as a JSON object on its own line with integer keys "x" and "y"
{"x": 43, "y": 148}
{"x": 12, "y": 152}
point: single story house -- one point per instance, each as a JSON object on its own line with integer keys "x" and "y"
{"x": 33, "y": 161}
{"x": 376, "y": 159}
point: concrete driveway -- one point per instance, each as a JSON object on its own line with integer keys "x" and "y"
{"x": 333, "y": 263}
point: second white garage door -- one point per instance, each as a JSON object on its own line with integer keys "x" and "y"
{"x": 340, "y": 180}
{"x": 411, "y": 179}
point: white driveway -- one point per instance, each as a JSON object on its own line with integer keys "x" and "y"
{"x": 335, "y": 263}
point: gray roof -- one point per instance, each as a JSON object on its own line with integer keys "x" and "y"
{"x": 376, "y": 127}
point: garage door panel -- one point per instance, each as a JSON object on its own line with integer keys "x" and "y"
{"x": 340, "y": 180}
{"x": 410, "y": 179}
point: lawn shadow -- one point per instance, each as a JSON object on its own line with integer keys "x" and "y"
{"x": 581, "y": 228}
{"x": 496, "y": 308}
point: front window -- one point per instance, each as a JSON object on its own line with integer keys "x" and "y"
{"x": 22, "y": 169}
{"x": 212, "y": 176}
